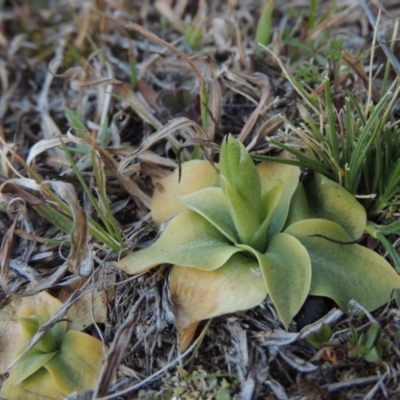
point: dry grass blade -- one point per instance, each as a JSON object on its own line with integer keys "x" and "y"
{"x": 289, "y": 76}
{"x": 357, "y": 67}
{"x": 180, "y": 123}
{"x": 49, "y": 127}
{"x": 264, "y": 100}
{"x": 389, "y": 54}
{"x": 155, "y": 39}
{"x": 131, "y": 187}
{"x": 266, "y": 129}
{"x": 136, "y": 103}
{"x": 170, "y": 14}
{"x": 332, "y": 21}
{"x": 202, "y": 82}
{"x": 214, "y": 106}
{"x": 120, "y": 343}
{"x": 44, "y": 284}
{"x": 5, "y": 256}
{"x": 239, "y": 45}
{"x": 44, "y": 145}
{"x": 80, "y": 79}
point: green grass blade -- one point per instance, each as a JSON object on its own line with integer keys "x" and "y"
{"x": 331, "y": 122}
{"x": 264, "y": 25}
{"x": 115, "y": 231}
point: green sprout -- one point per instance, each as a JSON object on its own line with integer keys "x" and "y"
{"x": 322, "y": 338}
{"x": 258, "y": 231}
{"x": 369, "y": 345}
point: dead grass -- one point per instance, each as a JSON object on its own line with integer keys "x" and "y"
{"x": 146, "y": 101}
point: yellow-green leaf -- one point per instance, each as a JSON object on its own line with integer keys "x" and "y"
{"x": 28, "y": 365}
{"x": 78, "y": 362}
{"x": 328, "y": 200}
{"x": 286, "y": 268}
{"x": 269, "y": 202}
{"x": 211, "y": 204}
{"x": 245, "y": 217}
{"x": 270, "y": 174}
{"x": 189, "y": 240}
{"x": 238, "y": 169}
{"x": 38, "y": 386}
{"x": 344, "y": 271}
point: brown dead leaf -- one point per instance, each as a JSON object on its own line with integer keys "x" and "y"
{"x": 214, "y": 106}
{"x": 90, "y": 308}
{"x": 356, "y": 65}
{"x": 10, "y": 334}
{"x": 266, "y": 97}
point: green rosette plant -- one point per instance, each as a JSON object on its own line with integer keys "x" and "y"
{"x": 62, "y": 362}
{"x": 258, "y": 231}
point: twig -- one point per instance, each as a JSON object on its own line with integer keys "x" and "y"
{"x": 382, "y": 41}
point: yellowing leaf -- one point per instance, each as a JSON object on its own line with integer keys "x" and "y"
{"x": 28, "y": 365}
{"x": 198, "y": 295}
{"x": 10, "y": 336}
{"x": 78, "y": 362}
{"x": 195, "y": 175}
{"x": 38, "y": 386}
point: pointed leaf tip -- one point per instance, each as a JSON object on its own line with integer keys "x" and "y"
{"x": 188, "y": 240}
{"x": 238, "y": 169}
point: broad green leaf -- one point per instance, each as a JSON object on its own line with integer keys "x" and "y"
{"x": 245, "y": 218}
{"x": 198, "y": 295}
{"x": 78, "y": 362}
{"x": 269, "y": 203}
{"x": 270, "y": 174}
{"x": 38, "y": 386}
{"x": 328, "y": 200}
{"x": 286, "y": 269}
{"x": 344, "y": 271}
{"x": 211, "y": 204}
{"x": 238, "y": 169}
{"x": 194, "y": 175}
{"x": 299, "y": 208}
{"x": 28, "y": 365}
{"x": 188, "y": 240}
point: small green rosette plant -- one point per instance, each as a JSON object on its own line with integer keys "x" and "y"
{"x": 255, "y": 231}
{"x": 62, "y": 362}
